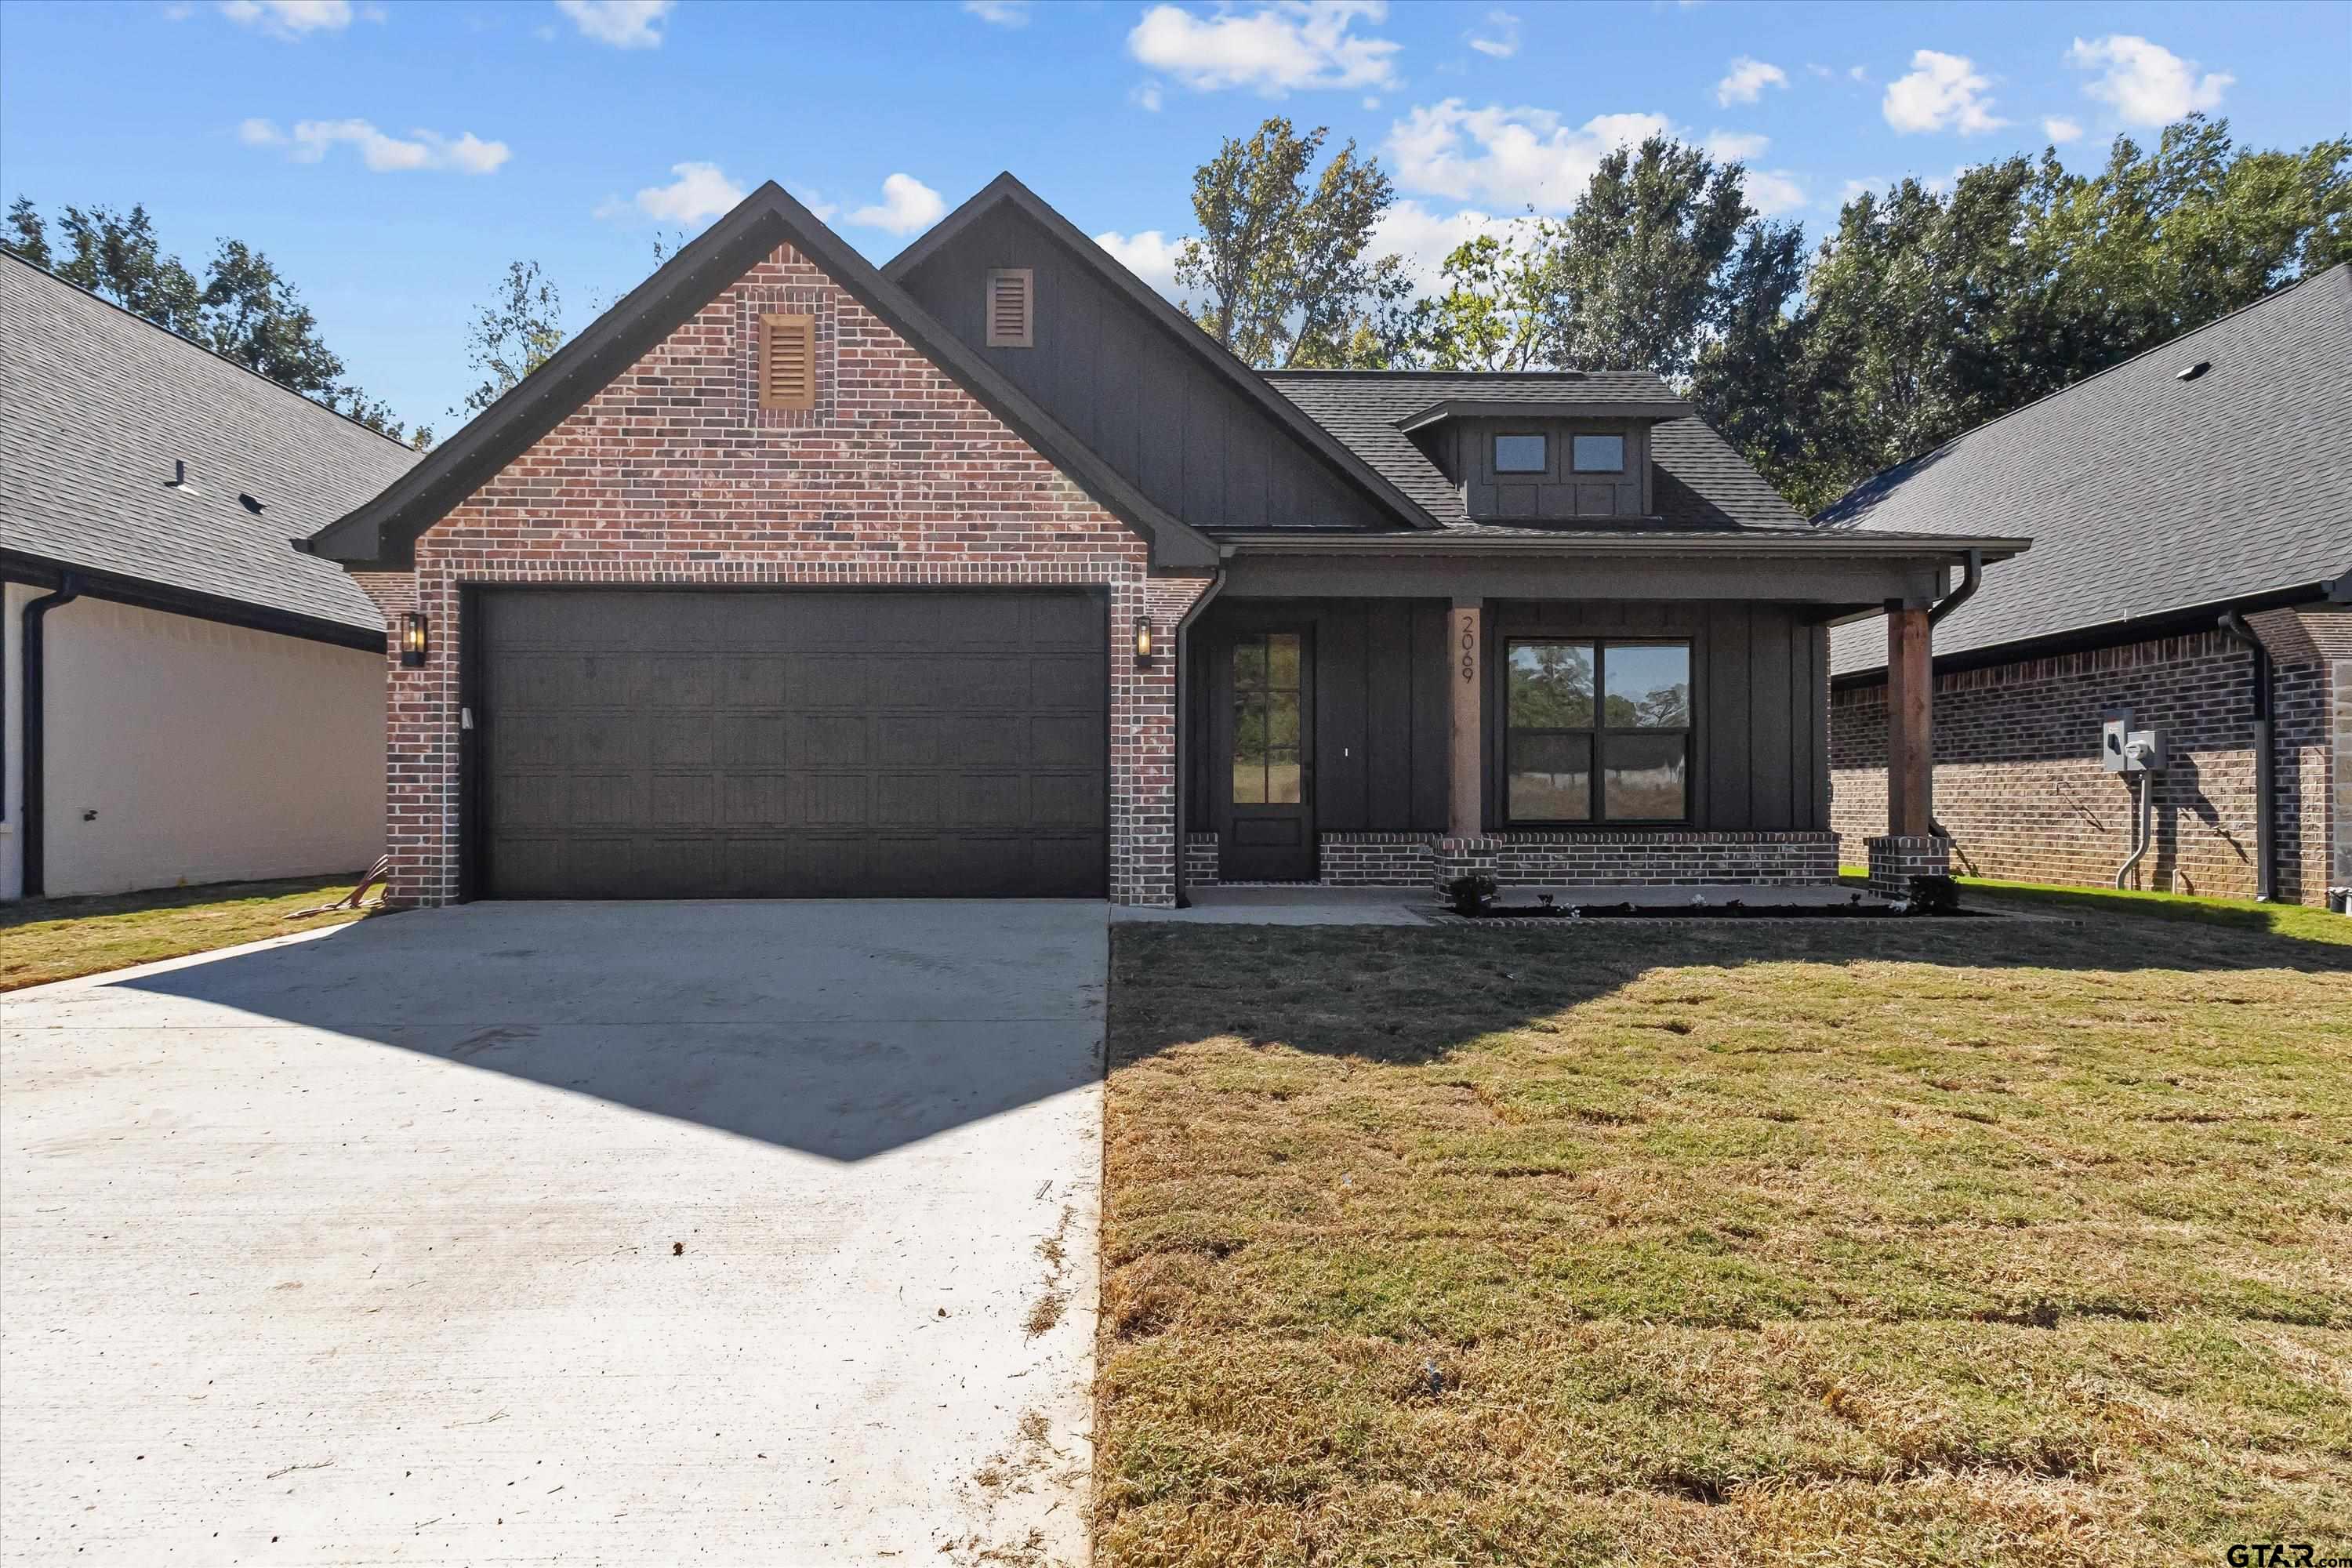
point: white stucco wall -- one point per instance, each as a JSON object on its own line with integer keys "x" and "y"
{"x": 13, "y": 599}
{"x": 182, "y": 750}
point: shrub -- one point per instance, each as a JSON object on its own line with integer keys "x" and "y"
{"x": 1471, "y": 892}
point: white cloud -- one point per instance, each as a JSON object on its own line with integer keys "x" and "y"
{"x": 1000, "y": 12}
{"x": 1748, "y": 80}
{"x": 1424, "y": 238}
{"x": 700, "y": 192}
{"x": 1943, "y": 92}
{"x": 1289, "y": 45}
{"x": 2146, "y": 83}
{"x": 624, "y": 24}
{"x": 312, "y": 140}
{"x": 290, "y": 18}
{"x": 1773, "y": 192}
{"x": 1150, "y": 256}
{"x": 1739, "y": 146}
{"x": 908, "y": 206}
{"x": 1510, "y": 157}
{"x": 1500, "y": 37}
{"x": 1853, "y": 188}
{"x": 2061, "y": 130}
{"x": 1146, "y": 96}
{"x": 1858, "y": 73}
{"x": 1822, "y": 71}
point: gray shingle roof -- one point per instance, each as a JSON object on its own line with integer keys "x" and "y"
{"x": 1700, "y": 482}
{"x": 2143, "y": 493}
{"x": 97, "y": 405}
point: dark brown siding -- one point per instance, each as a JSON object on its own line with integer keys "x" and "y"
{"x": 1760, "y": 674}
{"x": 1120, "y": 382}
{"x": 1381, "y": 722}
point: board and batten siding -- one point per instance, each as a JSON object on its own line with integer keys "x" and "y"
{"x": 1760, "y": 706}
{"x": 1147, "y": 405}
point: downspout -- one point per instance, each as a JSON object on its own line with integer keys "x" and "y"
{"x": 2234, "y": 626}
{"x": 69, "y": 589}
{"x": 1184, "y": 726}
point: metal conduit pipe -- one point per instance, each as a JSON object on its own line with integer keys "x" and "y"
{"x": 2144, "y": 830}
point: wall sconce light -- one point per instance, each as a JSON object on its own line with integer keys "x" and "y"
{"x": 411, "y": 640}
{"x": 1143, "y": 639}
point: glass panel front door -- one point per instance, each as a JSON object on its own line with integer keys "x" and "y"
{"x": 1265, "y": 834}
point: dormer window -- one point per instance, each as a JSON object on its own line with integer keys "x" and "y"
{"x": 1522, "y": 454}
{"x": 1600, "y": 453}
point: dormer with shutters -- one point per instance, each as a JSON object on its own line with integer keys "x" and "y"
{"x": 1011, "y": 307}
{"x": 787, "y": 373}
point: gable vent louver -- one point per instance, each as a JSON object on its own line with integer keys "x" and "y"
{"x": 1012, "y": 307}
{"x": 788, "y": 361}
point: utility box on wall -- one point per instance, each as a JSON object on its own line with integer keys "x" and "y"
{"x": 2114, "y": 738}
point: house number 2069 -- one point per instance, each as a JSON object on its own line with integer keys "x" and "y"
{"x": 1469, "y": 647}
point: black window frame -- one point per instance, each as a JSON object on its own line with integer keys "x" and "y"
{"x": 1575, "y": 465}
{"x": 1600, "y": 732}
{"x": 1494, "y": 451}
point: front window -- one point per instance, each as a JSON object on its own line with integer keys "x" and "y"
{"x": 1522, "y": 454}
{"x": 1600, "y": 453}
{"x": 1597, "y": 732}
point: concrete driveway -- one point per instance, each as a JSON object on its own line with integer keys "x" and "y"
{"x": 758, "y": 1233}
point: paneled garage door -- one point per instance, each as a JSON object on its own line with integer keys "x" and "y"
{"x": 642, "y": 743}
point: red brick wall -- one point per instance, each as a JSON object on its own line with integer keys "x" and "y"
{"x": 2020, "y": 788}
{"x": 673, "y": 474}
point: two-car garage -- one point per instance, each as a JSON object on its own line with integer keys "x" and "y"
{"x": 792, "y": 742}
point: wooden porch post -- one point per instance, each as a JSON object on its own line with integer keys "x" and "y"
{"x": 1465, "y": 653}
{"x": 1910, "y": 723}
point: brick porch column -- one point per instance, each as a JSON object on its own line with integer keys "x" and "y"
{"x": 1910, "y": 847}
{"x": 1465, "y": 654}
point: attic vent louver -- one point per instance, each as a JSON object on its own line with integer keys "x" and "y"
{"x": 1012, "y": 307}
{"x": 2194, "y": 371}
{"x": 788, "y": 361}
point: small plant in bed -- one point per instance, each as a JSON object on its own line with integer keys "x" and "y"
{"x": 1471, "y": 893}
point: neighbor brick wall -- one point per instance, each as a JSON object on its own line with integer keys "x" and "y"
{"x": 673, "y": 475}
{"x": 2020, "y": 788}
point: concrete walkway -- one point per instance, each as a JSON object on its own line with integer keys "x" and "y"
{"x": 577, "y": 1233}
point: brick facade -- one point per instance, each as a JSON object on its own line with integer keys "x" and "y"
{"x": 1599, "y": 859}
{"x": 2020, "y": 790}
{"x": 1894, "y": 858}
{"x": 674, "y": 475}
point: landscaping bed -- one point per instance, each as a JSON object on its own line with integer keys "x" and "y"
{"x": 1907, "y": 1242}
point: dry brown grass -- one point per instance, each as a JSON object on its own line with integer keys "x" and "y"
{"x": 1952, "y": 1243}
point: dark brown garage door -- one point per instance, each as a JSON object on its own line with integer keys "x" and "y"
{"x": 654, "y": 744}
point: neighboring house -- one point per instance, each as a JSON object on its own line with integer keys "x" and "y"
{"x": 187, "y": 700}
{"x": 980, "y": 573}
{"x": 2185, "y": 506}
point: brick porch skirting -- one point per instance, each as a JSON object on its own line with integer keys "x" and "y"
{"x": 1895, "y": 858}
{"x": 1556, "y": 859}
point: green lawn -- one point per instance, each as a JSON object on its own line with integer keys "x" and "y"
{"x": 42, "y": 940}
{"x": 1936, "y": 1242}
{"x": 2305, "y": 922}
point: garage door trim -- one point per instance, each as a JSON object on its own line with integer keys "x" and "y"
{"x": 472, "y": 794}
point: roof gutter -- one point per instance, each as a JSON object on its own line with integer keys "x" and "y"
{"x": 1971, "y": 580}
{"x": 36, "y": 812}
{"x": 2233, "y": 627}
{"x": 1982, "y": 549}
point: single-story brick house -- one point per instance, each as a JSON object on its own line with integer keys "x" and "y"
{"x": 2191, "y": 514}
{"x": 987, "y": 572}
{"x": 182, "y": 699}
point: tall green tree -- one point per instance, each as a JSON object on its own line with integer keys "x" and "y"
{"x": 1491, "y": 315}
{"x": 1632, "y": 279}
{"x": 1281, "y": 263}
{"x": 243, "y": 309}
{"x": 513, "y": 334}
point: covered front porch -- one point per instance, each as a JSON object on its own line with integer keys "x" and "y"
{"x": 1550, "y": 710}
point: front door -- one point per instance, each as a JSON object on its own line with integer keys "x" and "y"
{"x": 1267, "y": 688}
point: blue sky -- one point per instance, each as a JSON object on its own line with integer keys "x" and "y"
{"x": 393, "y": 157}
